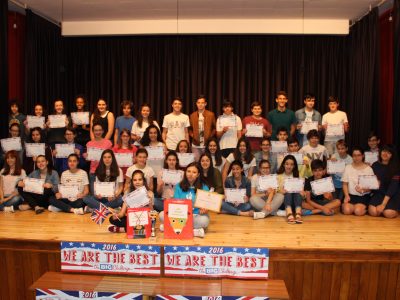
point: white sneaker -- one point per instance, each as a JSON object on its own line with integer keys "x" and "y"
{"x": 23, "y": 207}
{"x": 199, "y": 232}
{"x": 258, "y": 215}
{"x": 281, "y": 213}
{"x": 52, "y": 208}
{"x": 79, "y": 211}
{"x": 88, "y": 210}
{"x": 162, "y": 227}
{"x": 9, "y": 209}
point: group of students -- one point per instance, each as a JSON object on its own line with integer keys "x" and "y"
{"x": 208, "y": 153}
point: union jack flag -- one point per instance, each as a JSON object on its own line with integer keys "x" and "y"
{"x": 99, "y": 215}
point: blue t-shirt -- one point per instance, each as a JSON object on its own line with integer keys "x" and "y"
{"x": 190, "y": 194}
{"x": 123, "y": 122}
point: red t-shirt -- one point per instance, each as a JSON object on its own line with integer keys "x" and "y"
{"x": 255, "y": 142}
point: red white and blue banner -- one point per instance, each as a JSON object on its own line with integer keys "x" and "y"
{"x": 178, "y": 297}
{"x": 110, "y": 258}
{"x": 47, "y": 294}
{"x": 250, "y": 263}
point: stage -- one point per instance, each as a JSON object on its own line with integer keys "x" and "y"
{"x": 339, "y": 257}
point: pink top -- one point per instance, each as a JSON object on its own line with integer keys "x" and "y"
{"x": 116, "y": 149}
{"x": 103, "y": 144}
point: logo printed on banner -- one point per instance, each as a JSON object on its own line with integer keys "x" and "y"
{"x": 179, "y": 297}
{"x": 47, "y": 294}
{"x": 251, "y": 263}
{"x": 110, "y": 258}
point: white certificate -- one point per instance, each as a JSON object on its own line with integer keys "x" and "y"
{"x": 235, "y": 195}
{"x": 371, "y": 157}
{"x": 279, "y": 146}
{"x": 155, "y": 153}
{"x": 208, "y": 200}
{"x": 80, "y": 118}
{"x": 57, "y": 121}
{"x": 336, "y": 167}
{"x": 228, "y": 121}
{"x": 368, "y": 182}
{"x": 124, "y": 159}
{"x": 172, "y": 176}
{"x": 104, "y": 189}
{"x": 321, "y": 186}
{"x": 137, "y": 198}
{"x": 136, "y": 218}
{"x": 267, "y": 182}
{"x": 34, "y": 121}
{"x": 11, "y": 144}
{"x": 185, "y": 159}
{"x": 306, "y": 126}
{"x": 176, "y": 210}
{"x": 64, "y": 150}
{"x": 335, "y": 130}
{"x": 35, "y": 149}
{"x": 298, "y": 156}
{"x": 293, "y": 185}
{"x": 254, "y": 130}
{"x": 68, "y": 191}
{"x": 94, "y": 154}
{"x": 33, "y": 185}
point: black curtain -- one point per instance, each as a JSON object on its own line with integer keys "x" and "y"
{"x": 241, "y": 68}
{"x": 362, "y": 98}
{"x": 3, "y": 69}
{"x": 396, "y": 59}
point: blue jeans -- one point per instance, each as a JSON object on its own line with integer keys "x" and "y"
{"x": 234, "y": 210}
{"x": 158, "y": 204}
{"x": 92, "y": 179}
{"x": 14, "y": 201}
{"x": 292, "y": 200}
{"x": 93, "y": 202}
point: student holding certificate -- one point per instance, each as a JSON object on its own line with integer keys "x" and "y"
{"x": 74, "y": 186}
{"x": 118, "y": 220}
{"x": 152, "y": 141}
{"x": 38, "y": 112}
{"x": 100, "y": 143}
{"x": 60, "y": 159}
{"x": 184, "y": 151}
{"x": 229, "y": 129}
{"x": 210, "y": 175}
{"x": 212, "y": 147}
{"x": 14, "y": 142}
{"x": 167, "y": 178}
{"x": 125, "y": 121}
{"x": 44, "y": 171}
{"x": 16, "y": 117}
{"x": 186, "y": 189}
{"x": 264, "y": 154}
{"x": 141, "y": 164}
{"x": 292, "y": 198}
{"x": 243, "y": 154}
{"x": 356, "y": 199}
{"x": 385, "y": 200}
{"x": 313, "y": 150}
{"x": 125, "y": 145}
{"x": 104, "y": 117}
{"x": 324, "y": 203}
{"x": 265, "y": 201}
{"x": 107, "y": 171}
{"x": 144, "y": 120}
{"x": 29, "y": 163}
{"x": 340, "y": 156}
{"x": 55, "y": 134}
{"x": 10, "y": 175}
{"x": 238, "y": 182}
{"x": 255, "y": 127}
{"x": 82, "y": 129}
{"x": 307, "y": 115}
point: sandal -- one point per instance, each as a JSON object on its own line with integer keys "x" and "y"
{"x": 299, "y": 220}
{"x": 290, "y": 219}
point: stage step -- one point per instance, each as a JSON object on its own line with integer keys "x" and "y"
{"x": 152, "y": 286}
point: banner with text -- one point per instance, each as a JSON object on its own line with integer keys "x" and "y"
{"x": 50, "y": 294}
{"x": 251, "y": 263}
{"x": 110, "y": 258}
{"x": 179, "y": 297}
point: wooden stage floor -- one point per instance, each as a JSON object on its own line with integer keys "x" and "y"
{"x": 339, "y": 257}
{"x": 317, "y": 232}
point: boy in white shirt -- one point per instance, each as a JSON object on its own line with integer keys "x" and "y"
{"x": 334, "y": 117}
{"x": 314, "y": 150}
{"x": 175, "y": 125}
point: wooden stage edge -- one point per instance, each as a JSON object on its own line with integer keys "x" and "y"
{"x": 339, "y": 257}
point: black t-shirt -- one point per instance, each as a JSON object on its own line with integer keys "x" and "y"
{"x": 307, "y": 187}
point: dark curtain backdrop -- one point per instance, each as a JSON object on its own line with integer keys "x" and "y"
{"x": 396, "y": 53}
{"x": 242, "y": 68}
{"x": 3, "y": 68}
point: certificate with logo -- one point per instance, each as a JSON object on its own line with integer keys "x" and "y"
{"x": 294, "y": 185}
{"x": 208, "y": 200}
{"x": 323, "y": 185}
{"x": 57, "y": 121}
{"x": 35, "y": 149}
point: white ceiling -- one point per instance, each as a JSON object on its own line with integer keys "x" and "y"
{"x": 111, "y": 10}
